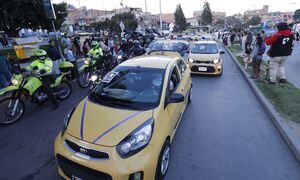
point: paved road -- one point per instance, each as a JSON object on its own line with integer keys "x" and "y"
{"x": 225, "y": 135}
{"x": 293, "y": 66}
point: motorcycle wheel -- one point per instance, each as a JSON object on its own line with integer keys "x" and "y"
{"x": 11, "y": 110}
{"x": 83, "y": 80}
{"x": 64, "y": 90}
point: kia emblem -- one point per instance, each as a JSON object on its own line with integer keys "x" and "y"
{"x": 83, "y": 150}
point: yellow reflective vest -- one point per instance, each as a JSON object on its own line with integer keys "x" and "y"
{"x": 95, "y": 53}
{"x": 46, "y": 64}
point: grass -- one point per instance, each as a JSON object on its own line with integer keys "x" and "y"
{"x": 284, "y": 97}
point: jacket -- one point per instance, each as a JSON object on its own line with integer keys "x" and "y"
{"x": 95, "y": 53}
{"x": 281, "y": 43}
{"x": 53, "y": 53}
{"x": 46, "y": 65}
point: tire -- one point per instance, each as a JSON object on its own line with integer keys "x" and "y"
{"x": 83, "y": 81}
{"x": 190, "y": 96}
{"x": 64, "y": 90}
{"x": 6, "y": 110}
{"x": 160, "y": 172}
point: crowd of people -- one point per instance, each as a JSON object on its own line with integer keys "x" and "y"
{"x": 255, "y": 46}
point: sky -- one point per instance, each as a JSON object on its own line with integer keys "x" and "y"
{"x": 189, "y": 6}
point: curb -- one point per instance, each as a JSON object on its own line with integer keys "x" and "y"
{"x": 285, "y": 131}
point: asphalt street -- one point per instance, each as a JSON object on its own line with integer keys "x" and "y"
{"x": 224, "y": 135}
{"x": 293, "y": 66}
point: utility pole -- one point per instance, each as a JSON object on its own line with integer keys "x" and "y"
{"x": 161, "y": 25}
{"x": 146, "y": 6}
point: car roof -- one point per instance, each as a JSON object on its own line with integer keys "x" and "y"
{"x": 205, "y": 42}
{"x": 150, "y": 61}
{"x": 170, "y": 41}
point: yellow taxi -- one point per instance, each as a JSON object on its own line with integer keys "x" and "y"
{"x": 205, "y": 58}
{"x": 123, "y": 129}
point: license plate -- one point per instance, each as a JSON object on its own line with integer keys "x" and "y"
{"x": 202, "y": 68}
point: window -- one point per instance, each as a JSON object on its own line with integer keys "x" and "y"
{"x": 182, "y": 66}
{"x": 174, "y": 80}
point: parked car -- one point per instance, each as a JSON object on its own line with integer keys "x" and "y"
{"x": 205, "y": 58}
{"x": 124, "y": 128}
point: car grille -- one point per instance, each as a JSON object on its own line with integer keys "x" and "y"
{"x": 76, "y": 171}
{"x": 203, "y": 62}
{"x": 210, "y": 69}
{"x": 88, "y": 152}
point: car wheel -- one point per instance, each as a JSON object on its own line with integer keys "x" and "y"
{"x": 163, "y": 161}
{"x": 190, "y": 96}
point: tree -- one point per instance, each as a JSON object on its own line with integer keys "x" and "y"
{"x": 180, "y": 20}
{"x": 254, "y": 21}
{"x": 113, "y": 24}
{"x": 297, "y": 15}
{"x": 206, "y": 14}
{"x": 18, "y": 14}
{"x": 233, "y": 23}
{"x": 220, "y": 23}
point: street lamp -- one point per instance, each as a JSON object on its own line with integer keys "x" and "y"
{"x": 161, "y": 25}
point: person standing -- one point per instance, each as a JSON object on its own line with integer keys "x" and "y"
{"x": 281, "y": 47}
{"x": 5, "y": 72}
{"x": 85, "y": 48}
{"x": 54, "y": 55}
{"x": 259, "y": 49}
{"x": 248, "y": 49}
{"x": 263, "y": 35}
{"x": 71, "y": 58}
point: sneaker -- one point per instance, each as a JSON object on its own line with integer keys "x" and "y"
{"x": 282, "y": 81}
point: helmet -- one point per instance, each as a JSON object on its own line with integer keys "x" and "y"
{"x": 95, "y": 44}
{"x": 40, "y": 54}
{"x": 282, "y": 26}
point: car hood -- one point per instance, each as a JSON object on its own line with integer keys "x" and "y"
{"x": 104, "y": 125}
{"x": 166, "y": 53}
{"x": 204, "y": 57}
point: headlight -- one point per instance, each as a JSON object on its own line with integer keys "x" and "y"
{"x": 191, "y": 60}
{"x": 120, "y": 57}
{"x": 66, "y": 121}
{"x": 86, "y": 62}
{"x": 15, "y": 82}
{"x": 216, "y": 61}
{"x": 137, "y": 140}
{"x": 94, "y": 78}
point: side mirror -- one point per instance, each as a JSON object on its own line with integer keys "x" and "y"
{"x": 222, "y": 52}
{"x": 176, "y": 98}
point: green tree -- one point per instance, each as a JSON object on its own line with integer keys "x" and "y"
{"x": 180, "y": 20}
{"x": 254, "y": 21}
{"x": 206, "y": 14}
{"x": 18, "y": 14}
{"x": 234, "y": 23}
{"x": 297, "y": 15}
{"x": 220, "y": 23}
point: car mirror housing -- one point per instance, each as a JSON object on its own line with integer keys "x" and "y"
{"x": 222, "y": 52}
{"x": 176, "y": 98}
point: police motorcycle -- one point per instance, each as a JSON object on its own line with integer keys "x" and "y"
{"x": 27, "y": 86}
{"x": 92, "y": 70}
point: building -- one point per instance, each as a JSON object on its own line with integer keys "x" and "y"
{"x": 256, "y": 12}
{"x": 168, "y": 18}
{"x": 192, "y": 21}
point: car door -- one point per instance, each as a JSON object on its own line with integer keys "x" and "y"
{"x": 185, "y": 78}
{"x": 174, "y": 86}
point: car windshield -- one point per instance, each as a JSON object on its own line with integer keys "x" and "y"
{"x": 176, "y": 47}
{"x": 205, "y": 49}
{"x": 130, "y": 88}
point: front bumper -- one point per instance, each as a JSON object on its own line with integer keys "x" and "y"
{"x": 204, "y": 68}
{"x": 114, "y": 168}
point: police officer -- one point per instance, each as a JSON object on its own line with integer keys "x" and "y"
{"x": 95, "y": 54}
{"x": 44, "y": 66}
{"x": 281, "y": 47}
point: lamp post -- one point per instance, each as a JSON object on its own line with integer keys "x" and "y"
{"x": 161, "y": 25}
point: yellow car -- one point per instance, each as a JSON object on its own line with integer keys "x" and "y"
{"x": 205, "y": 58}
{"x": 123, "y": 129}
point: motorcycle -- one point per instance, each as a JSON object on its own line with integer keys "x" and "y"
{"x": 28, "y": 86}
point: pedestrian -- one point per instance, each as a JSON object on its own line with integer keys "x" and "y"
{"x": 85, "y": 48}
{"x": 5, "y": 72}
{"x": 76, "y": 44}
{"x": 232, "y": 37}
{"x": 259, "y": 48}
{"x": 263, "y": 35}
{"x": 111, "y": 45}
{"x": 65, "y": 41}
{"x": 248, "y": 49}
{"x": 71, "y": 58}
{"x": 281, "y": 47}
{"x": 54, "y": 55}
